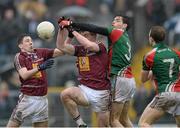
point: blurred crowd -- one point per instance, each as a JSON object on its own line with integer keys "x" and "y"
{"x": 23, "y": 16}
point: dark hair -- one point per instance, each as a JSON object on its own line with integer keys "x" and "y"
{"x": 21, "y": 37}
{"x": 9, "y": 7}
{"x": 158, "y": 33}
{"x": 126, "y": 20}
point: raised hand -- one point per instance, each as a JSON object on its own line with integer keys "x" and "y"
{"x": 64, "y": 22}
{"x": 60, "y": 19}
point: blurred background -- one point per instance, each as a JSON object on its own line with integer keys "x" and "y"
{"x": 23, "y": 16}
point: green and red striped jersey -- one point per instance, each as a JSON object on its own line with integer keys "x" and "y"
{"x": 119, "y": 47}
{"x": 164, "y": 63}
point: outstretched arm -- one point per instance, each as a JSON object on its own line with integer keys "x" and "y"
{"x": 83, "y": 26}
{"x": 91, "y": 46}
{"x": 61, "y": 37}
{"x": 26, "y": 74}
{"x": 63, "y": 43}
{"x": 91, "y": 28}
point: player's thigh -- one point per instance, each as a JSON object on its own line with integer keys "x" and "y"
{"x": 13, "y": 123}
{"x": 41, "y": 124}
{"x": 177, "y": 118}
{"x": 116, "y": 110}
{"x": 75, "y": 94}
{"x": 103, "y": 119}
{"x": 150, "y": 115}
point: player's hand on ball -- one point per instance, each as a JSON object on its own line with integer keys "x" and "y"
{"x": 64, "y": 22}
{"x": 46, "y": 64}
{"x": 59, "y": 21}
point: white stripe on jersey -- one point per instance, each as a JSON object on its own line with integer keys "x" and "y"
{"x": 16, "y": 62}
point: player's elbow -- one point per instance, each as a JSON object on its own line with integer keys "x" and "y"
{"x": 24, "y": 77}
{"x": 62, "y": 48}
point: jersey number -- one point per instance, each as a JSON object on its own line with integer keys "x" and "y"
{"x": 128, "y": 56}
{"x": 171, "y": 64}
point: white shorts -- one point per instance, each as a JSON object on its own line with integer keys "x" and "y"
{"x": 123, "y": 89}
{"x": 168, "y": 102}
{"x": 99, "y": 100}
{"x": 33, "y": 107}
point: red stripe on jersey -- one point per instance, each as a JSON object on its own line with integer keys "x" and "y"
{"x": 176, "y": 86}
{"x": 177, "y": 52}
{"x": 149, "y": 59}
{"x": 128, "y": 72}
{"x": 115, "y": 35}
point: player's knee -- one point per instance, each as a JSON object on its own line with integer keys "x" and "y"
{"x": 64, "y": 95}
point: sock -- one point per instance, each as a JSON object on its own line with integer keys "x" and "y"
{"x": 79, "y": 120}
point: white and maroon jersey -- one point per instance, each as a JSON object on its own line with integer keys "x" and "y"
{"x": 37, "y": 84}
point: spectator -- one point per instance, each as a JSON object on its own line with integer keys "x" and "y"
{"x": 10, "y": 29}
{"x": 173, "y": 27}
{"x": 156, "y": 11}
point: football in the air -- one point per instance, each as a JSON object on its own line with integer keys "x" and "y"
{"x": 45, "y": 30}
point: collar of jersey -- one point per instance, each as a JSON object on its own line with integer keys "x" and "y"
{"x": 159, "y": 44}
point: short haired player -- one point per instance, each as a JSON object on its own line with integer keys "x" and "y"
{"x": 119, "y": 51}
{"x": 161, "y": 65}
{"x": 94, "y": 88}
{"x": 31, "y": 64}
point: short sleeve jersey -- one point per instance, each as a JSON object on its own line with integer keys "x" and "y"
{"x": 119, "y": 52}
{"x": 164, "y": 63}
{"x": 92, "y": 67}
{"x": 37, "y": 84}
